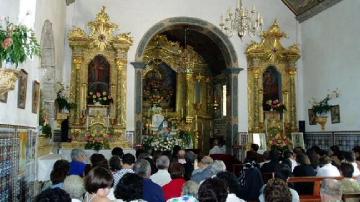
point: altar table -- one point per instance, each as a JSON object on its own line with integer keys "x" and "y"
{"x": 66, "y": 153}
{"x": 44, "y": 166}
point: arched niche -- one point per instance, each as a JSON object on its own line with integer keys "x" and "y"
{"x": 227, "y": 52}
{"x": 270, "y": 62}
{"x": 271, "y": 85}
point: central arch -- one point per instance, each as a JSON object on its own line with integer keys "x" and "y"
{"x": 228, "y": 53}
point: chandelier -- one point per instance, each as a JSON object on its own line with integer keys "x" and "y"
{"x": 185, "y": 58}
{"x": 241, "y": 21}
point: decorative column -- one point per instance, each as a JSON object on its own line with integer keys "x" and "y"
{"x": 120, "y": 110}
{"x": 77, "y": 62}
{"x": 139, "y": 67}
{"x": 293, "y": 118}
{"x": 180, "y": 94}
{"x": 190, "y": 92}
{"x": 232, "y": 111}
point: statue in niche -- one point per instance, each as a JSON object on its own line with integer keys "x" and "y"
{"x": 271, "y": 87}
{"x": 160, "y": 87}
{"x": 99, "y": 75}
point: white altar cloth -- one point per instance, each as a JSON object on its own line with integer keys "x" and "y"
{"x": 45, "y": 165}
{"x": 65, "y": 153}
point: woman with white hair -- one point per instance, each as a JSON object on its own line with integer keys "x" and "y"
{"x": 74, "y": 186}
{"x": 189, "y": 193}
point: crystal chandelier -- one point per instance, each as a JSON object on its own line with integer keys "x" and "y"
{"x": 241, "y": 21}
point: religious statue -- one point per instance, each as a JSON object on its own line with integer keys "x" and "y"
{"x": 99, "y": 75}
{"x": 271, "y": 86}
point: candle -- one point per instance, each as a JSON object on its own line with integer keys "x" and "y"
{"x": 238, "y": 4}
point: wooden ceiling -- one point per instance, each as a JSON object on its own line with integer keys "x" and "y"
{"x": 305, "y": 9}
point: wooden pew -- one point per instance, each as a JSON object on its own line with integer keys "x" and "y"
{"x": 317, "y": 185}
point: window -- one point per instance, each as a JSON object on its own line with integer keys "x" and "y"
{"x": 224, "y": 100}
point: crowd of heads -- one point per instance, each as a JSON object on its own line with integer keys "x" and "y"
{"x": 203, "y": 177}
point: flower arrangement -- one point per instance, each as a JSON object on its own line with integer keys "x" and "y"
{"x": 17, "y": 42}
{"x": 62, "y": 100}
{"x": 278, "y": 140}
{"x": 97, "y": 141}
{"x": 274, "y": 105}
{"x": 323, "y": 107}
{"x": 99, "y": 98}
{"x": 159, "y": 143}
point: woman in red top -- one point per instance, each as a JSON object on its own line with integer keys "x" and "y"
{"x": 174, "y": 187}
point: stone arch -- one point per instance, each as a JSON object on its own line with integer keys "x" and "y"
{"x": 228, "y": 52}
{"x": 202, "y": 26}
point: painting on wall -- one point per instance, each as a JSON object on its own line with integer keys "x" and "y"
{"x": 312, "y": 117}
{"x": 3, "y": 97}
{"x": 297, "y": 139}
{"x": 35, "y": 97}
{"x": 22, "y": 88}
{"x": 335, "y": 114}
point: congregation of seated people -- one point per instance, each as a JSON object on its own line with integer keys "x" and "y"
{"x": 182, "y": 175}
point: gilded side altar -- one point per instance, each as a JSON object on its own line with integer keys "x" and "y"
{"x": 267, "y": 58}
{"x": 112, "y": 49}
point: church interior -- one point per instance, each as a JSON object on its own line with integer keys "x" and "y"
{"x": 152, "y": 75}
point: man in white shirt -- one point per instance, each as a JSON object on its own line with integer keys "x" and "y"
{"x": 327, "y": 170}
{"x": 162, "y": 176}
{"x": 218, "y": 148}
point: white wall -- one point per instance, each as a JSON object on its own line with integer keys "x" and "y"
{"x": 55, "y": 12}
{"x": 139, "y": 16}
{"x": 331, "y": 51}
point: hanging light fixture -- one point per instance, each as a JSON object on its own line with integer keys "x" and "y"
{"x": 186, "y": 57}
{"x": 241, "y": 21}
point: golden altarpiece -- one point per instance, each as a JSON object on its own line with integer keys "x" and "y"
{"x": 99, "y": 66}
{"x": 188, "y": 102}
{"x": 272, "y": 77}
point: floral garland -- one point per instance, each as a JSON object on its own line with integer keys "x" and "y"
{"x": 100, "y": 98}
{"x": 274, "y": 105}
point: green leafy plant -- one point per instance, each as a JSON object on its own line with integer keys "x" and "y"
{"x": 61, "y": 100}
{"x": 323, "y": 107}
{"x": 18, "y": 43}
{"x": 46, "y": 131}
{"x": 186, "y": 137}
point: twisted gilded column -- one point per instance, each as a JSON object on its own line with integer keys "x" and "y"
{"x": 293, "y": 124}
{"x": 120, "y": 110}
{"x": 180, "y": 94}
{"x": 77, "y": 62}
{"x": 190, "y": 89}
{"x": 256, "y": 110}
{"x": 139, "y": 68}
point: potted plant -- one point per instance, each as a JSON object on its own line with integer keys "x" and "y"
{"x": 323, "y": 107}
{"x": 18, "y": 43}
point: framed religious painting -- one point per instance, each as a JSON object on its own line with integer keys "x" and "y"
{"x": 35, "y": 97}
{"x": 312, "y": 117}
{"x": 297, "y": 139}
{"x": 3, "y": 97}
{"x": 22, "y": 88}
{"x": 335, "y": 114}
{"x": 260, "y": 139}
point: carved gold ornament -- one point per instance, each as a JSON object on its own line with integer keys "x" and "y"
{"x": 8, "y": 78}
